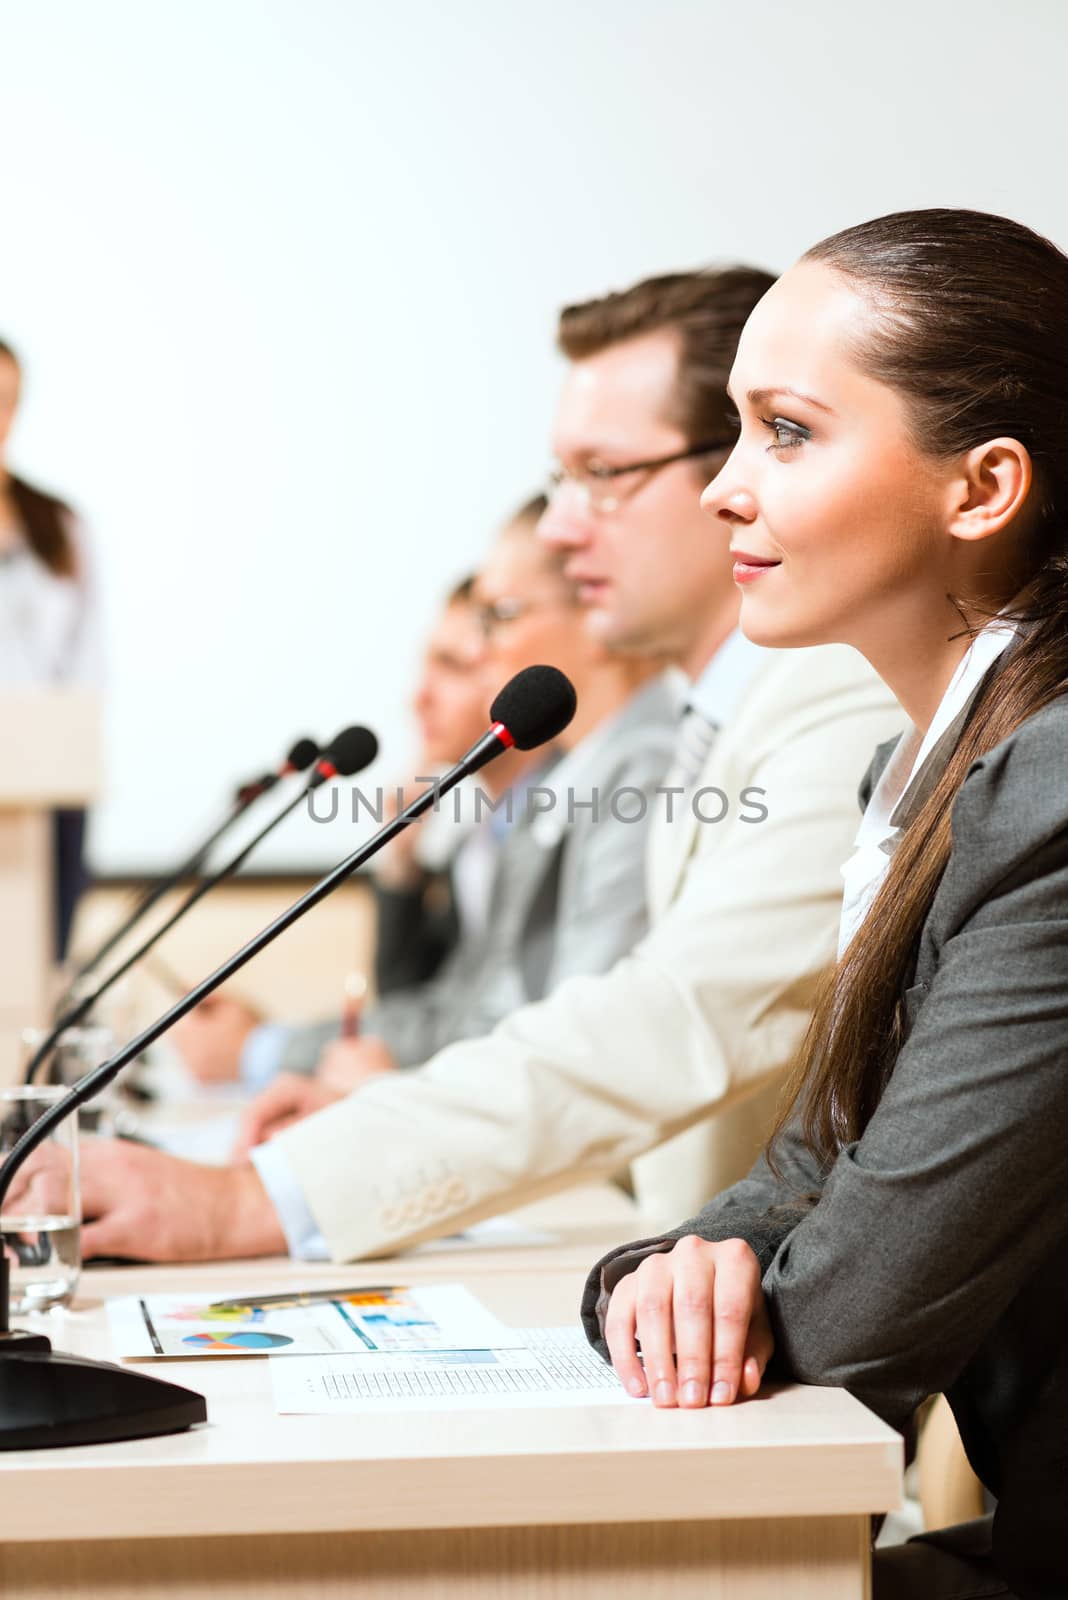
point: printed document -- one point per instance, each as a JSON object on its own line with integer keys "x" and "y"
{"x": 394, "y": 1319}
{"x": 550, "y": 1367}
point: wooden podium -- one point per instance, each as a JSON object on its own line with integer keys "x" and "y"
{"x": 49, "y": 757}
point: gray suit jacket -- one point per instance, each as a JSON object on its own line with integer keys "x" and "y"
{"x": 568, "y": 898}
{"x": 937, "y": 1257}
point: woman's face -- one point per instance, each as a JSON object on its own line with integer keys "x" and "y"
{"x": 843, "y": 516}
{"x": 9, "y": 398}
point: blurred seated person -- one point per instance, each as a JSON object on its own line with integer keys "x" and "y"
{"x": 541, "y": 887}
{"x": 222, "y": 1040}
{"x": 48, "y": 621}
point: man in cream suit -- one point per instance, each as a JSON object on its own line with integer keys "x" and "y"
{"x": 710, "y": 1006}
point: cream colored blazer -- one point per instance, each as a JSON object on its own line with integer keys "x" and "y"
{"x": 707, "y": 1009}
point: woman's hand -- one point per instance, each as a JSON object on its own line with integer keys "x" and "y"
{"x": 699, "y": 1315}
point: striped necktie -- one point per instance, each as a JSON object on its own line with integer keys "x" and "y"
{"x": 696, "y": 736}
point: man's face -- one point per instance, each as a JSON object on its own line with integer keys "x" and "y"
{"x": 450, "y": 702}
{"x": 651, "y": 568}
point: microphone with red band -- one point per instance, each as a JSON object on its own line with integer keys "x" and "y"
{"x": 325, "y": 767}
{"x": 299, "y": 759}
{"x": 352, "y": 750}
{"x": 300, "y": 756}
{"x": 532, "y": 708}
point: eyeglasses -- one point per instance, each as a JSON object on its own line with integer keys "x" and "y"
{"x": 497, "y": 613}
{"x": 593, "y": 484}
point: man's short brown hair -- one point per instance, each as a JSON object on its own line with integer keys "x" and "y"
{"x": 531, "y": 510}
{"x": 707, "y": 309}
{"x": 523, "y": 524}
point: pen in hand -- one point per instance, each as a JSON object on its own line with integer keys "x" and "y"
{"x": 352, "y": 1005}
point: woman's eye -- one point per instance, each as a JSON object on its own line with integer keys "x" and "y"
{"x": 785, "y": 435}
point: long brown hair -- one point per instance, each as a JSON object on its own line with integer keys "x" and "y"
{"x": 970, "y": 325}
{"x": 43, "y": 519}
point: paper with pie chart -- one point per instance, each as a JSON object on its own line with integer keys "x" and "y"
{"x": 391, "y": 1320}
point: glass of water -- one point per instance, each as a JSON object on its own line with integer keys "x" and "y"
{"x": 42, "y": 1219}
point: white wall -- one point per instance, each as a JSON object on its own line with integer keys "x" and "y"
{"x": 285, "y": 272}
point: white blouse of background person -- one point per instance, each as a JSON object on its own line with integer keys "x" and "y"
{"x": 49, "y": 625}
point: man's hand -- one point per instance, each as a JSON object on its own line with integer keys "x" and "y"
{"x": 288, "y": 1099}
{"x": 699, "y": 1314}
{"x": 346, "y": 1064}
{"x": 149, "y": 1206}
{"x": 211, "y": 1037}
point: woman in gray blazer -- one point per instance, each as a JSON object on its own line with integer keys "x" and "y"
{"x": 900, "y": 483}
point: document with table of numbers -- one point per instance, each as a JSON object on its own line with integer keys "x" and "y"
{"x": 548, "y": 1367}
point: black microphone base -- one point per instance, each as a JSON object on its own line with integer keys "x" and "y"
{"x": 19, "y": 1341}
{"x": 48, "y": 1399}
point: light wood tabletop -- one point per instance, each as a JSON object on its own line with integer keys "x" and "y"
{"x": 768, "y": 1500}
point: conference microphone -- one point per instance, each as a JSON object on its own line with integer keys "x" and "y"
{"x": 47, "y": 1398}
{"x": 351, "y": 751}
{"x": 300, "y": 756}
{"x": 245, "y": 793}
{"x": 532, "y": 708}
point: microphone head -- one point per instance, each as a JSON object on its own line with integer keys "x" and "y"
{"x": 351, "y": 751}
{"x": 248, "y": 792}
{"x": 535, "y": 705}
{"x": 301, "y": 755}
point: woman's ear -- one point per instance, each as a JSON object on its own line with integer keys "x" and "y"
{"x": 990, "y": 488}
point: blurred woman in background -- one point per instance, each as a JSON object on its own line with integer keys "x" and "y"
{"x": 48, "y": 618}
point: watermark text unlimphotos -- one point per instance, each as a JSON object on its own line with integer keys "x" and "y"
{"x": 474, "y": 804}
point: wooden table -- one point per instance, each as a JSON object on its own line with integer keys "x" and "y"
{"x": 769, "y": 1500}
